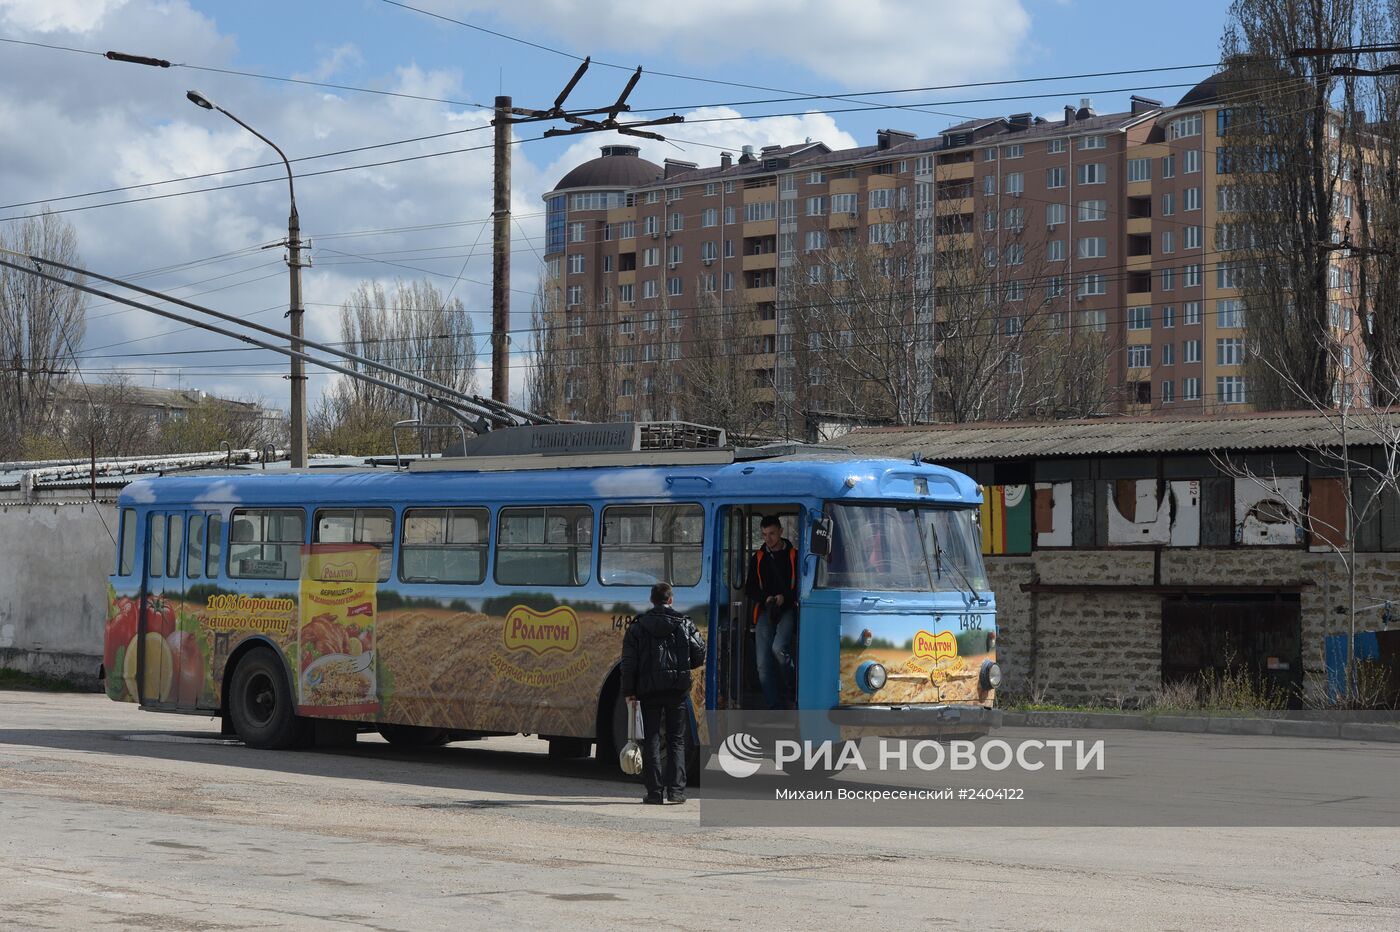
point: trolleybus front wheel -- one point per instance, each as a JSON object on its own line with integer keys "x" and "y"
{"x": 261, "y": 704}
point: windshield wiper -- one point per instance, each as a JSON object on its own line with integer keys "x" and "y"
{"x": 938, "y": 556}
{"x": 923, "y": 545}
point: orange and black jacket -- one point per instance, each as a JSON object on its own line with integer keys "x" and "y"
{"x": 773, "y": 574}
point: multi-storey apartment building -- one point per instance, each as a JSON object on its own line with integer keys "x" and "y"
{"x": 1107, "y": 223}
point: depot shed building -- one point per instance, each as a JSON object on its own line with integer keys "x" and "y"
{"x": 1129, "y": 552}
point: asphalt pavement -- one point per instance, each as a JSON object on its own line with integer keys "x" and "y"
{"x": 115, "y": 818}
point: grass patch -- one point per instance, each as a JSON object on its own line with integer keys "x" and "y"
{"x": 36, "y": 682}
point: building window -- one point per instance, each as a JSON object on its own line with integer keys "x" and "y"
{"x": 1140, "y": 169}
{"x": 844, "y": 203}
{"x": 709, "y": 217}
{"x": 1015, "y": 218}
{"x": 816, "y": 206}
{"x": 1139, "y": 357}
{"x": 576, "y": 264}
{"x": 626, "y": 294}
{"x": 575, "y": 296}
{"x": 881, "y": 198}
{"x": 1229, "y": 389}
{"x": 1054, "y": 178}
{"x": 1015, "y": 152}
{"x": 1091, "y": 173}
{"x": 1191, "y": 236}
{"x": 990, "y": 217}
{"x": 1055, "y": 250}
{"x": 1191, "y": 199}
{"x": 989, "y": 185}
{"x": 1227, "y": 275}
{"x": 1093, "y": 142}
{"x": 1168, "y": 204}
{"x": 1191, "y": 351}
{"x": 1168, "y": 316}
{"x": 989, "y": 155}
{"x": 1191, "y": 313}
{"x": 1168, "y": 166}
{"x": 815, "y": 241}
{"x": 649, "y": 288}
{"x": 674, "y": 287}
{"x": 1190, "y": 161}
{"x": 1094, "y": 320}
{"x": 1168, "y": 242}
{"x": 1055, "y": 286}
{"x": 607, "y": 263}
{"x": 1015, "y": 254}
{"x": 1229, "y": 351}
{"x": 1092, "y": 285}
{"x": 1055, "y": 146}
{"x": 1015, "y": 183}
{"x": 1184, "y": 126}
{"x": 1168, "y": 354}
{"x": 1168, "y": 279}
{"x": 578, "y": 232}
{"x": 1093, "y": 247}
{"x": 651, "y": 257}
{"x": 1168, "y": 392}
{"x": 627, "y": 229}
{"x": 1191, "y": 276}
{"x": 1054, "y": 214}
{"x": 674, "y": 255}
{"x": 649, "y": 321}
{"x": 1093, "y": 210}
{"x": 1139, "y": 318}
{"x": 1191, "y": 389}
{"x": 759, "y": 211}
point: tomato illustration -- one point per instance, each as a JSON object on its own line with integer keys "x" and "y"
{"x": 160, "y": 616}
{"x": 190, "y": 684}
{"x": 121, "y": 628}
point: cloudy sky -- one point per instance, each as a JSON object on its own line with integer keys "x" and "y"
{"x": 74, "y": 126}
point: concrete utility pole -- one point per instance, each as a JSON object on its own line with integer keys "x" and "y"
{"x": 500, "y": 256}
{"x": 506, "y": 117}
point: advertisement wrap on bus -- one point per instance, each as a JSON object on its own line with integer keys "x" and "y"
{"x": 455, "y": 603}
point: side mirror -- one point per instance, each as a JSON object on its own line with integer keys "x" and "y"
{"x": 821, "y": 537}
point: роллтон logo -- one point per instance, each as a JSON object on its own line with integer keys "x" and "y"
{"x": 740, "y": 755}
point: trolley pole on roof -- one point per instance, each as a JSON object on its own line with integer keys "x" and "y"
{"x": 506, "y": 116}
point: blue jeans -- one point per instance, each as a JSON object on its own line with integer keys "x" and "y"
{"x": 774, "y": 646}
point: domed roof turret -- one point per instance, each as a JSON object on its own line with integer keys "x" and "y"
{"x": 617, "y": 167}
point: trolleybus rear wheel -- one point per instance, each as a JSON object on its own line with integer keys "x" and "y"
{"x": 261, "y": 704}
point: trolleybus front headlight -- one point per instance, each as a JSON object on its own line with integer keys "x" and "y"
{"x": 870, "y": 676}
{"x": 991, "y": 675}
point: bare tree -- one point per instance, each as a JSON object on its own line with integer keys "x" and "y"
{"x": 413, "y": 328}
{"x": 545, "y": 373}
{"x": 103, "y": 417}
{"x": 718, "y": 383}
{"x": 41, "y": 325}
{"x": 1281, "y": 152}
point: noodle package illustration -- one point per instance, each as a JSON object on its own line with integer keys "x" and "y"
{"x": 335, "y": 635}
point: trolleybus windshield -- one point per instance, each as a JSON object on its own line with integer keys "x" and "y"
{"x": 903, "y": 547}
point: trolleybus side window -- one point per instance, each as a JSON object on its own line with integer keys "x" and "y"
{"x": 544, "y": 546}
{"x": 444, "y": 545}
{"x": 213, "y": 546}
{"x": 126, "y": 559}
{"x": 359, "y": 526}
{"x": 155, "y": 564}
{"x": 645, "y": 544}
{"x": 176, "y": 539}
{"x": 265, "y": 543}
{"x": 194, "y": 547}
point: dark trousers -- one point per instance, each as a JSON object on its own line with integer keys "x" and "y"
{"x": 664, "y": 712}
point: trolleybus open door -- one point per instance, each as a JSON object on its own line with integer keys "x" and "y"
{"x": 740, "y": 537}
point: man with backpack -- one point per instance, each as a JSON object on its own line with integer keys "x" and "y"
{"x": 658, "y": 652}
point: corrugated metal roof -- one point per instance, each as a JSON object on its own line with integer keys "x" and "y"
{"x": 1119, "y": 436}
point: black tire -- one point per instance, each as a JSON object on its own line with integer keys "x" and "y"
{"x": 261, "y": 704}
{"x": 414, "y": 736}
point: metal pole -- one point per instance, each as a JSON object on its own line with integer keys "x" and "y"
{"x": 295, "y": 313}
{"x": 500, "y": 256}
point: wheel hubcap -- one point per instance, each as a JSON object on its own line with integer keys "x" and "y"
{"x": 260, "y": 698}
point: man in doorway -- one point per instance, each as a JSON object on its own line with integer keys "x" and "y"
{"x": 658, "y": 652}
{"x": 772, "y": 588}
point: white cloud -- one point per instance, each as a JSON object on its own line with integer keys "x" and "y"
{"x": 871, "y": 45}
{"x": 46, "y": 16}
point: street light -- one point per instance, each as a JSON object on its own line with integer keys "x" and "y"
{"x": 298, "y": 377}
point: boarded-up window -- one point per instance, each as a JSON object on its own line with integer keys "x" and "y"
{"x": 1327, "y": 514}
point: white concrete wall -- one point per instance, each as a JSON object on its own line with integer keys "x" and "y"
{"x": 54, "y": 563}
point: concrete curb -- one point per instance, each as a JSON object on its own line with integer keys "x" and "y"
{"x": 1202, "y": 724}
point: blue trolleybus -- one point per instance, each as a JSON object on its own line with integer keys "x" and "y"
{"x": 473, "y": 596}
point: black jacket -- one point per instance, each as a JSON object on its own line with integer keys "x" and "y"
{"x": 658, "y": 652}
{"x": 773, "y": 574}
